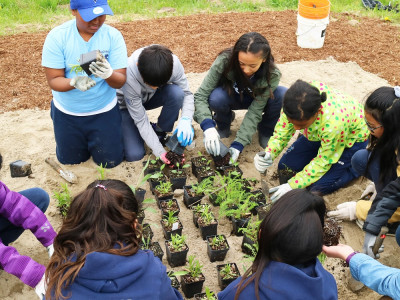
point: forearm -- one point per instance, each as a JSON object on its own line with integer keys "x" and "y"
{"x": 117, "y": 79}
{"x": 60, "y": 84}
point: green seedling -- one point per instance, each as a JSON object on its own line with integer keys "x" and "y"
{"x": 179, "y": 170}
{"x": 199, "y": 208}
{"x": 77, "y": 69}
{"x": 210, "y": 295}
{"x": 102, "y": 171}
{"x": 178, "y": 242}
{"x": 206, "y": 216}
{"x": 195, "y": 268}
{"x": 164, "y": 187}
{"x": 228, "y": 272}
{"x": 217, "y": 241}
{"x": 322, "y": 258}
{"x": 172, "y": 274}
{"x": 146, "y": 241}
{"x": 170, "y": 219}
{"x": 204, "y": 187}
{"x": 63, "y": 199}
{"x": 251, "y": 230}
{"x": 170, "y": 203}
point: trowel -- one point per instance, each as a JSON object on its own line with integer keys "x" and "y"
{"x": 67, "y": 175}
{"x": 264, "y": 184}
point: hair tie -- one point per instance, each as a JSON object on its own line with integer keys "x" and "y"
{"x": 101, "y": 187}
{"x": 397, "y": 91}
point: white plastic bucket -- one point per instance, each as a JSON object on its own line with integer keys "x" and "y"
{"x": 311, "y": 32}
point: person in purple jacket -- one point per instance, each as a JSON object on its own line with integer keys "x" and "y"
{"x": 286, "y": 265}
{"x": 18, "y": 212}
{"x": 96, "y": 252}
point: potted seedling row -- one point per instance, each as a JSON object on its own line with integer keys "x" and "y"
{"x": 250, "y": 235}
{"x": 171, "y": 225}
{"x": 177, "y": 250}
{"x": 217, "y": 247}
{"x": 207, "y": 223}
{"x": 169, "y": 205}
{"x": 208, "y": 295}
{"x": 192, "y": 282}
{"x": 226, "y": 274}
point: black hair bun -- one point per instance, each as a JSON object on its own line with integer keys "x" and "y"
{"x": 323, "y": 97}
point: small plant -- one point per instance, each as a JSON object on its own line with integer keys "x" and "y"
{"x": 204, "y": 187}
{"x": 178, "y": 242}
{"x": 170, "y": 219}
{"x": 102, "y": 171}
{"x": 253, "y": 252}
{"x": 195, "y": 268}
{"x": 227, "y": 272}
{"x": 63, "y": 199}
{"x": 179, "y": 170}
{"x": 146, "y": 242}
{"x": 210, "y": 295}
{"x": 164, "y": 187}
{"x": 217, "y": 241}
{"x": 170, "y": 203}
{"x": 251, "y": 230}
{"x": 77, "y": 69}
{"x": 206, "y": 216}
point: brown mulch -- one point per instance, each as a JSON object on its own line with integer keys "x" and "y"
{"x": 197, "y": 39}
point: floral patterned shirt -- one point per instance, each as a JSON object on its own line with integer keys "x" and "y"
{"x": 339, "y": 125}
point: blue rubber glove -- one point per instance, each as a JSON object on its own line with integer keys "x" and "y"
{"x": 185, "y": 132}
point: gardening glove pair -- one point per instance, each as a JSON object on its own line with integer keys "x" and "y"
{"x": 369, "y": 242}
{"x": 234, "y": 155}
{"x": 82, "y": 83}
{"x": 279, "y": 191}
{"x": 262, "y": 162}
{"x": 101, "y": 68}
{"x": 164, "y": 158}
{"x": 184, "y": 131}
{"x": 369, "y": 190}
{"x": 345, "y": 211}
{"x": 50, "y": 250}
{"x": 40, "y": 288}
{"x": 211, "y": 141}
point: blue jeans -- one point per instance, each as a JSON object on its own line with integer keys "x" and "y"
{"x": 222, "y": 104}
{"x": 302, "y": 151}
{"x": 359, "y": 162}
{"x": 8, "y": 231}
{"x": 170, "y": 97}
{"x": 79, "y": 137}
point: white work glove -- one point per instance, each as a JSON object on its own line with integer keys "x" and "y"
{"x": 40, "y": 288}
{"x": 369, "y": 242}
{"x": 279, "y": 191}
{"x": 344, "y": 211}
{"x": 82, "y": 83}
{"x": 101, "y": 68}
{"x": 370, "y": 189}
{"x": 50, "y": 250}
{"x": 262, "y": 161}
{"x": 185, "y": 132}
{"x": 234, "y": 155}
{"x": 211, "y": 141}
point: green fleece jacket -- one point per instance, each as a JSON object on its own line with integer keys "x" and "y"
{"x": 255, "y": 110}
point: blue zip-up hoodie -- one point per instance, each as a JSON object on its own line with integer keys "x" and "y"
{"x": 109, "y": 276}
{"x": 283, "y": 281}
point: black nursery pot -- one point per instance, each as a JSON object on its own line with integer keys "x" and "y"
{"x": 167, "y": 234}
{"x": 249, "y": 241}
{"x": 139, "y": 195}
{"x": 164, "y": 212}
{"x": 239, "y": 223}
{"x": 173, "y": 144}
{"x": 203, "y": 173}
{"x": 140, "y": 216}
{"x": 213, "y": 199}
{"x": 152, "y": 168}
{"x": 254, "y": 209}
{"x": 147, "y": 232}
{"x": 232, "y": 171}
{"x": 218, "y": 254}
{"x": 157, "y": 250}
{"x": 208, "y": 230}
{"x": 191, "y": 288}
{"x": 263, "y": 210}
{"x": 174, "y": 281}
{"x": 223, "y": 283}
{"x": 198, "y": 162}
{"x": 190, "y": 200}
{"x": 176, "y": 259}
{"x": 178, "y": 182}
{"x": 86, "y": 59}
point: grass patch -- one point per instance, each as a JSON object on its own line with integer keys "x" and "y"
{"x": 34, "y": 15}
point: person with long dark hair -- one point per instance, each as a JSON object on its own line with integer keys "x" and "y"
{"x": 332, "y": 129}
{"x": 286, "y": 265}
{"x": 96, "y": 252}
{"x": 243, "y": 77}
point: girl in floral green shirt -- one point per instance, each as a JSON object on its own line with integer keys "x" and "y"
{"x": 333, "y": 129}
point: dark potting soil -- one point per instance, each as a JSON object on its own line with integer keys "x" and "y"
{"x": 189, "y": 279}
{"x": 168, "y": 227}
{"x": 175, "y": 159}
{"x": 219, "y": 246}
{"x": 202, "y": 224}
{"x": 200, "y": 161}
{"x": 165, "y": 208}
{"x": 221, "y": 161}
{"x": 332, "y": 232}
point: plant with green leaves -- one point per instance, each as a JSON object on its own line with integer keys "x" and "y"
{"x": 142, "y": 179}
{"x": 210, "y": 295}
{"x": 179, "y": 170}
{"x": 146, "y": 242}
{"x": 253, "y": 252}
{"x": 178, "y": 242}
{"x": 170, "y": 219}
{"x": 206, "y": 186}
{"x": 228, "y": 272}
{"x": 206, "y": 216}
{"x": 238, "y": 207}
{"x": 251, "y": 230}
{"x": 102, "y": 171}
{"x": 322, "y": 257}
{"x": 63, "y": 199}
{"x": 195, "y": 268}
{"x": 164, "y": 187}
{"x": 199, "y": 208}
{"x": 217, "y": 242}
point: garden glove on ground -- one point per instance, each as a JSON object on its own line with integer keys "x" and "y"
{"x": 101, "y": 68}
{"x": 82, "y": 83}
{"x": 234, "y": 155}
{"x": 50, "y": 250}
{"x": 211, "y": 141}
{"x": 164, "y": 159}
{"x": 40, "y": 288}
{"x": 279, "y": 191}
{"x": 185, "y": 132}
{"x": 262, "y": 162}
{"x": 370, "y": 189}
{"x": 344, "y": 211}
{"x": 369, "y": 242}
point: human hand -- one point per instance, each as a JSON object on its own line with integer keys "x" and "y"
{"x": 279, "y": 191}
{"x": 164, "y": 158}
{"x": 234, "y": 155}
{"x": 82, "y": 83}
{"x": 50, "y": 250}
{"x": 369, "y": 242}
{"x": 185, "y": 132}
{"x": 262, "y": 160}
{"x": 344, "y": 211}
{"x": 370, "y": 189}
{"x": 339, "y": 251}
{"x": 40, "y": 288}
{"x": 211, "y": 141}
{"x": 101, "y": 68}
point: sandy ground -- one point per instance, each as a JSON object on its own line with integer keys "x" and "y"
{"x": 28, "y": 135}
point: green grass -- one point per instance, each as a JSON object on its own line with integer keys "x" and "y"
{"x": 33, "y": 15}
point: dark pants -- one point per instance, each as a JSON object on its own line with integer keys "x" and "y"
{"x": 8, "y": 231}
{"x": 222, "y": 104}
{"x": 79, "y": 137}
{"x": 302, "y": 151}
{"x": 170, "y": 98}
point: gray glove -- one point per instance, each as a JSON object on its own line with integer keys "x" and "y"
{"x": 101, "y": 69}
{"x": 82, "y": 83}
{"x": 369, "y": 242}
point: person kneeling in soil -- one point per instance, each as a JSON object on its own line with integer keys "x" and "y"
{"x": 96, "y": 252}
{"x": 84, "y": 110}
{"x": 333, "y": 129}
{"x": 380, "y": 278}
{"x": 243, "y": 77}
{"x": 18, "y": 212}
{"x": 380, "y": 162}
{"x": 155, "y": 78}
{"x": 286, "y": 265}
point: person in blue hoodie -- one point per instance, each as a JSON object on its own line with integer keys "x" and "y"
{"x": 286, "y": 265}
{"x": 96, "y": 252}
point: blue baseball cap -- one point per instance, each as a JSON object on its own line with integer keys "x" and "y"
{"x": 90, "y": 9}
